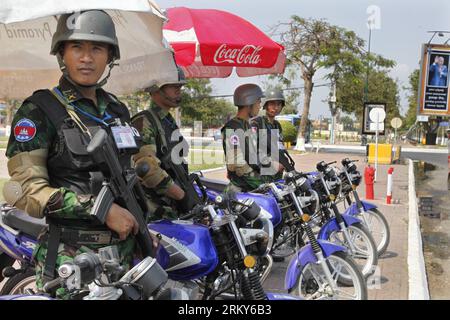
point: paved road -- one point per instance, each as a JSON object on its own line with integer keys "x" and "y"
{"x": 439, "y": 159}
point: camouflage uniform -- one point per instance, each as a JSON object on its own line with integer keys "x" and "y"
{"x": 159, "y": 180}
{"x": 241, "y": 156}
{"x": 35, "y": 182}
{"x": 263, "y": 123}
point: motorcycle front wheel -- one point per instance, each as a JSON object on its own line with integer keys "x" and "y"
{"x": 365, "y": 251}
{"x": 312, "y": 284}
{"x": 18, "y": 283}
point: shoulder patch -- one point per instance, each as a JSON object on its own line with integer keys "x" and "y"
{"x": 234, "y": 140}
{"x": 24, "y": 130}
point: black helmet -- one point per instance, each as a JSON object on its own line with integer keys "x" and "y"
{"x": 247, "y": 94}
{"x": 273, "y": 95}
{"x": 91, "y": 25}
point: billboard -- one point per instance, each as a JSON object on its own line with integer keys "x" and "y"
{"x": 434, "y": 98}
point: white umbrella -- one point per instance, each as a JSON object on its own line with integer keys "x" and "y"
{"x": 27, "y": 26}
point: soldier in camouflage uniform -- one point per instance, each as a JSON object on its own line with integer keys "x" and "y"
{"x": 268, "y": 128}
{"x": 247, "y": 168}
{"x": 48, "y": 178}
{"x": 160, "y": 136}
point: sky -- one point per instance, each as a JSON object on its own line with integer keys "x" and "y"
{"x": 402, "y": 27}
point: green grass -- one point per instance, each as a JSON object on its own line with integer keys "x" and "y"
{"x": 2, "y": 182}
{"x": 198, "y": 167}
{"x": 215, "y": 161}
{"x": 3, "y": 142}
{"x": 207, "y": 147}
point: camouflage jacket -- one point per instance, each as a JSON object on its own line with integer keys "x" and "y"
{"x": 241, "y": 156}
{"x": 161, "y": 177}
{"x": 33, "y": 133}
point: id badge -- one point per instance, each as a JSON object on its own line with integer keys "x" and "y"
{"x": 124, "y": 137}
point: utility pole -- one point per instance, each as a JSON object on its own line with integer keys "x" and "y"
{"x": 332, "y": 103}
{"x": 320, "y": 127}
{"x": 366, "y": 87}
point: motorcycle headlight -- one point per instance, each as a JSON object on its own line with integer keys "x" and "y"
{"x": 303, "y": 184}
{"x": 148, "y": 274}
{"x": 356, "y": 178}
{"x": 351, "y": 167}
{"x": 259, "y": 238}
{"x": 249, "y": 209}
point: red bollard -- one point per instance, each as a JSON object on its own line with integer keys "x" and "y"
{"x": 389, "y": 186}
{"x": 369, "y": 178}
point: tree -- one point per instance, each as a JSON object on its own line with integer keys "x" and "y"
{"x": 137, "y": 101}
{"x": 348, "y": 123}
{"x": 350, "y": 93}
{"x": 291, "y": 96}
{"x": 411, "y": 114}
{"x": 198, "y": 105}
{"x": 314, "y": 44}
{"x": 10, "y": 109}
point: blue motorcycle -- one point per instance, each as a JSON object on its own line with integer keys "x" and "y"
{"x": 222, "y": 256}
{"x": 100, "y": 276}
{"x": 316, "y": 270}
{"x": 222, "y": 249}
{"x": 367, "y": 212}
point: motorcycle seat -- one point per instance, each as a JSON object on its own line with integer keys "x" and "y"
{"x": 214, "y": 184}
{"x": 21, "y": 221}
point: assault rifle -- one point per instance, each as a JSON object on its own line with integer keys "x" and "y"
{"x": 120, "y": 186}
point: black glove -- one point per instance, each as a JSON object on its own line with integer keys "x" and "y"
{"x": 184, "y": 205}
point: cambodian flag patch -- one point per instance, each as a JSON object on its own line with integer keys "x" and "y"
{"x": 25, "y": 130}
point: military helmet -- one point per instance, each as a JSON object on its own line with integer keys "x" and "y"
{"x": 181, "y": 79}
{"x": 158, "y": 84}
{"x": 91, "y": 25}
{"x": 273, "y": 95}
{"x": 247, "y": 94}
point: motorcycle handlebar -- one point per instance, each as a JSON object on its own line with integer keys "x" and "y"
{"x": 53, "y": 284}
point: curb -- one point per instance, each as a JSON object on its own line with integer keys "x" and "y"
{"x": 418, "y": 150}
{"x": 417, "y": 276}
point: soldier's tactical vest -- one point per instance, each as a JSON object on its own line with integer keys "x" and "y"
{"x": 68, "y": 162}
{"x": 245, "y": 146}
{"x": 164, "y": 148}
{"x": 262, "y": 123}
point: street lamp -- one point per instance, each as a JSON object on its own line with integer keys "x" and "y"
{"x": 332, "y": 103}
{"x": 371, "y": 24}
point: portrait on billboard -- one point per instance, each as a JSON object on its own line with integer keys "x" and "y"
{"x": 438, "y": 70}
{"x": 434, "y": 97}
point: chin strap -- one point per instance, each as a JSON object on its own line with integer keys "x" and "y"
{"x": 173, "y": 104}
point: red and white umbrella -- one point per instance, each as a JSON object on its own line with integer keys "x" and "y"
{"x": 210, "y": 43}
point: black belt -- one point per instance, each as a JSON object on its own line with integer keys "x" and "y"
{"x": 75, "y": 237}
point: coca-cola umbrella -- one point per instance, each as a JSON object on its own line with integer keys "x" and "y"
{"x": 27, "y": 26}
{"x": 209, "y": 43}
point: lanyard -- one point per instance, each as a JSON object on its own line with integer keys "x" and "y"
{"x": 106, "y": 117}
